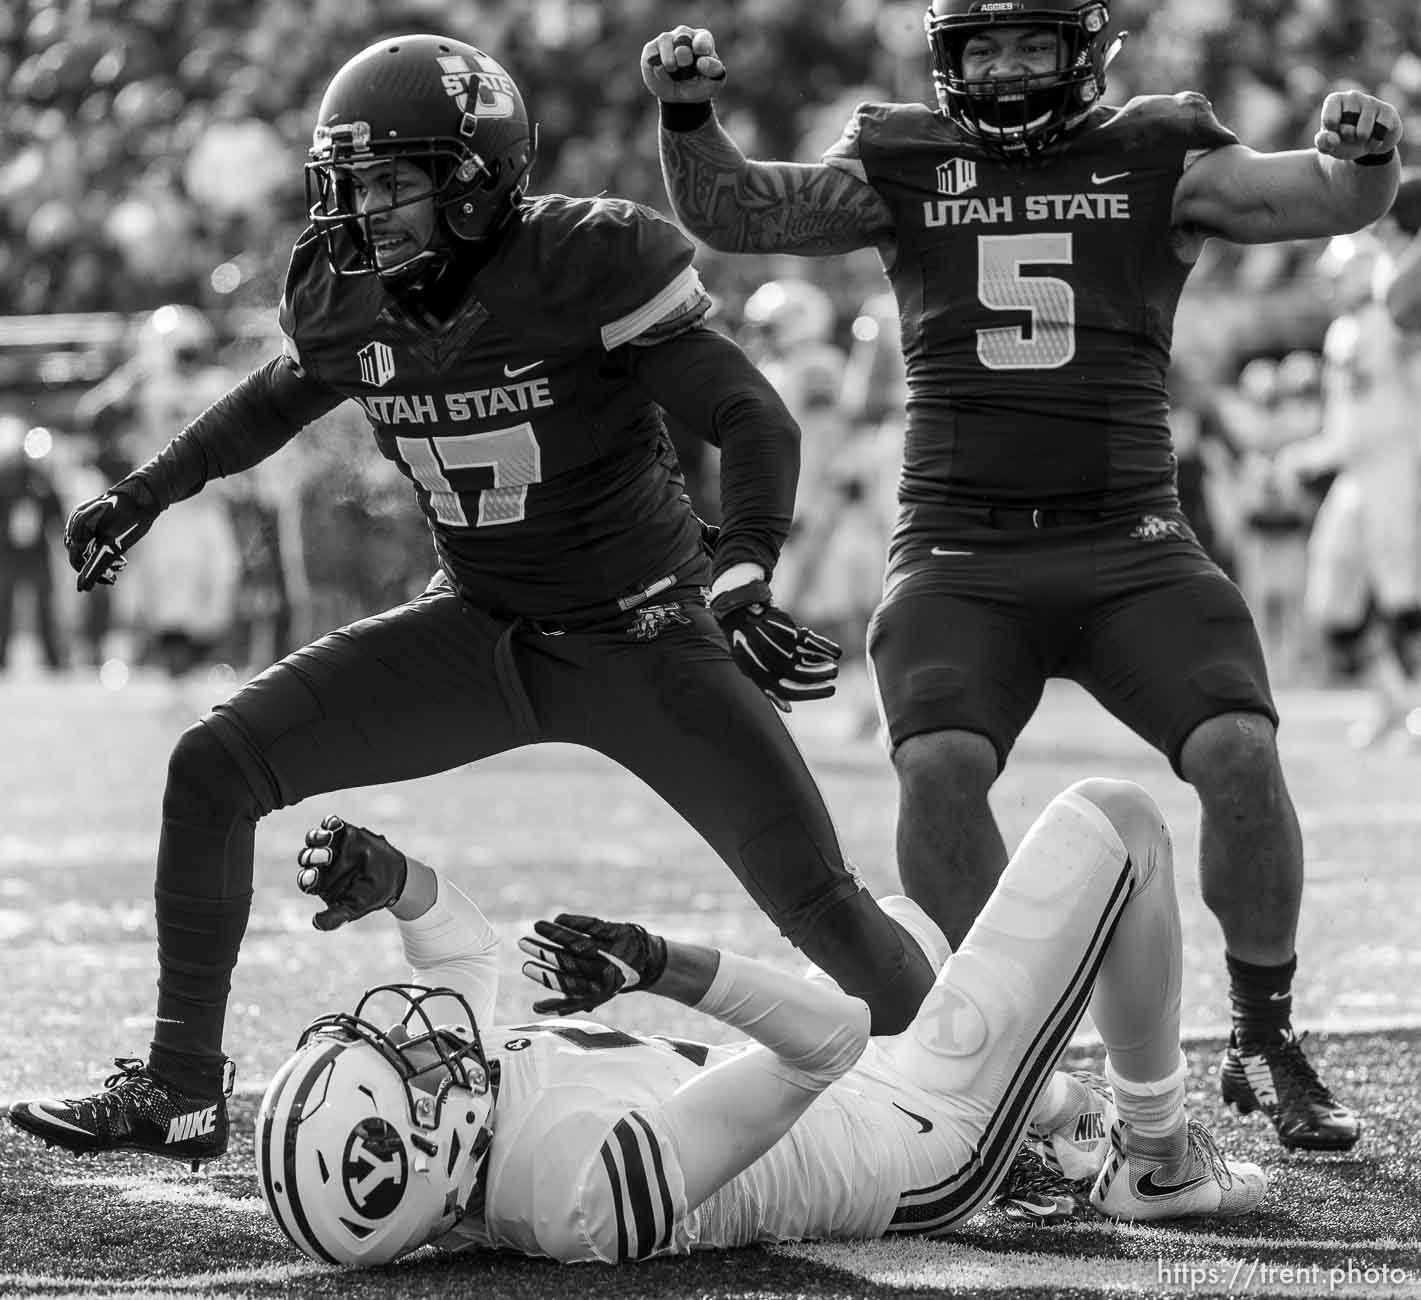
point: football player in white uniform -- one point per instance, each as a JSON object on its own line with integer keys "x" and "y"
{"x": 1364, "y": 554}
{"x": 575, "y": 1141}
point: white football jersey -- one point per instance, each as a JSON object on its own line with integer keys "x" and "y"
{"x": 581, "y": 1168}
{"x": 1373, "y": 384}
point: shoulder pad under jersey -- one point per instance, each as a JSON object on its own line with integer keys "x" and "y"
{"x": 1183, "y": 121}
{"x": 319, "y": 308}
{"x": 886, "y": 128}
{"x": 622, "y": 1199}
{"x": 607, "y": 266}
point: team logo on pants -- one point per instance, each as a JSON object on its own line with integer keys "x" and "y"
{"x": 1152, "y": 528}
{"x": 651, "y": 620}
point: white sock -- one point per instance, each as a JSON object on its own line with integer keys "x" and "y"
{"x": 1058, "y": 1099}
{"x": 1153, "y": 1110}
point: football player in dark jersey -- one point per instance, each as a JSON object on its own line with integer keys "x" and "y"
{"x": 1038, "y": 240}
{"x": 511, "y": 354}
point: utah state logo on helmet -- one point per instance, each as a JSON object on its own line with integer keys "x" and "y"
{"x": 1021, "y": 115}
{"x": 442, "y": 104}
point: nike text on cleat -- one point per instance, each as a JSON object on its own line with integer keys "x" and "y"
{"x": 136, "y": 1111}
{"x": 1278, "y": 1079}
{"x": 1077, "y": 1144}
{"x": 1139, "y": 1184}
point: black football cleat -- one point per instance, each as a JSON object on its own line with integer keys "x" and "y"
{"x": 1278, "y": 1079}
{"x": 136, "y": 1111}
{"x": 1035, "y": 1191}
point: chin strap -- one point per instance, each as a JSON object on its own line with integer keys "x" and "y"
{"x": 1114, "y": 49}
{"x": 410, "y": 275}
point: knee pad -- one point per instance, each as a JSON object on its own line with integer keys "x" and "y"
{"x": 949, "y": 1048}
{"x": 205, "y": 783}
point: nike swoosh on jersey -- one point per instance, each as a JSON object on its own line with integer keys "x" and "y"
{"x": 1148, "y": 1188}
{"x": 1105, "y": 180}
{"x": 512, "y": 372}
{"x": 925, "y": 1125}
{"x": 940, "y": 550}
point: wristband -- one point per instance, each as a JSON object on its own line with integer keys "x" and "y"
{"x": 685, "y": 117}
{"x": 1375, "y": 159}
{"x": 752, "y": 593}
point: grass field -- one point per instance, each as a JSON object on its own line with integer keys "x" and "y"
{"x": 555, "y": 828}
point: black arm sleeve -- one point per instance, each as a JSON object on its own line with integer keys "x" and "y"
{"x": 704, "y": 379}
{"x": 258, "y": 417}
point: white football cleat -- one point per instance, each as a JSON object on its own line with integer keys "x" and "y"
{"x": 1077, "y": 1143}
{"x": 1137, "y": 1184}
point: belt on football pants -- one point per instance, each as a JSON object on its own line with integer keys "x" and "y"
{"x": 505, "y": 665}
{"x": 1032, "y": 517}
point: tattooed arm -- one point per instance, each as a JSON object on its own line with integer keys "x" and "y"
{"x": 729, "y": 202}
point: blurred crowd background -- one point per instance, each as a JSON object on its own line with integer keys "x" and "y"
{"x": 151, "y": 187}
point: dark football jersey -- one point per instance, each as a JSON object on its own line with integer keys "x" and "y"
{"x": 547, "y": 476}
{"x": 1036, "y": 301}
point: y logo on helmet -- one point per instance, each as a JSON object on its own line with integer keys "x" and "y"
{"x": 375, "y": 1168}
{"x": 477, "y": 92}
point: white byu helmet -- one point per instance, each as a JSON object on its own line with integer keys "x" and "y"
{"x": 369, "y": 1142}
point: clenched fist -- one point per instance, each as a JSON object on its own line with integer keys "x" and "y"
{"x": 682, "y": 67}
{"x": 1355, "y": 124}
{"x": 353, "y": 871}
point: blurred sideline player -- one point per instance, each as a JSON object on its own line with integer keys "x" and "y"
{"x": 180, "y": 597}
{"x": 787, "y": 329}
{"x": 572, "y": 1140}
{"x": 170, "y": 376}
{"x": 841, "y": 543}
{"x": 511, "y": 355}
{"x": 1364, "y": 556}
{"x": 30, "y": 521}
{"x": 1037, "y": 241}
{"x": 1276, "y": 407}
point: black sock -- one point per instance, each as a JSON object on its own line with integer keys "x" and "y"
{"x": 1262, "y": 998}
{"x": 198, "y": 940}
{"x": 203, "y": 895}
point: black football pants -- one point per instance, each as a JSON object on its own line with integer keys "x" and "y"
{"x": 435, "y": 684}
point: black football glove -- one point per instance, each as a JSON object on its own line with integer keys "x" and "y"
{"x": 99, "y": 533}
{"x": 588, "y": 961}
{"x": 352, "y": 870}
{"x": 785, "y": 660}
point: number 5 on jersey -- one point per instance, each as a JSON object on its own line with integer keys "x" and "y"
{"x": 1051, "y": 301}
{"x": 445, "y": 468}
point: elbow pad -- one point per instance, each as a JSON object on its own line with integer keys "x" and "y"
{"x": 815, "y": 1029}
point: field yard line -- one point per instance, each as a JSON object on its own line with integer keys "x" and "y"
{"x": 934, "y": 1266}
{"x": 272, "y": 1274}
